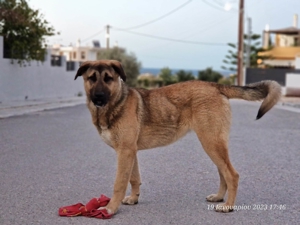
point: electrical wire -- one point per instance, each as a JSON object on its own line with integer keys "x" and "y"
{"x": 216, "y": 7}
{"x": 144, "y": 24}
{"x": 211, "y": 26}
{"x": 94, "y": 35}
{"x": 218, "y": 2}
{"x": 212, "y": 5}
{"x": 170, "y": 39}
{"x": 159, "y": 18}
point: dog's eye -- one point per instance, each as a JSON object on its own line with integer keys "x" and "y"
{"x": 107, "y": 78}
{"x": 92, "y": 78}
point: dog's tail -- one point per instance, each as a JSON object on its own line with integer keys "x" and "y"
{"x": 268, "y": 90}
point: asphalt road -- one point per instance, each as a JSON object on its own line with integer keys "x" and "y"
{"x": 55, "y": 158}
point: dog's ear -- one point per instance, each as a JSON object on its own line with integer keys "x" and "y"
{"x": 82, "y": 69}
{"x": 117, "y": 66}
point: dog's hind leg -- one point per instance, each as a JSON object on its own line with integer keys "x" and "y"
{"x": 212, "y": 125}
{"x": 219, "y": 197}
{"x": 135, "y": 182}
{"x": 217, "y": 150}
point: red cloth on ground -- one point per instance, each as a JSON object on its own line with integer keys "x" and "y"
{"x": 71, "y": 210}
{"x": 98, "y": 213}
{"x": 89, "y": 210}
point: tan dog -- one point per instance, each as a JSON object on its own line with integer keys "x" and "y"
{"x": 130, "y": 119}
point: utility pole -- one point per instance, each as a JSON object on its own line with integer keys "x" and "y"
{"x": 240, "y": 44}
{"x": 107, "y": 36}
{"x": 248, "y": 50}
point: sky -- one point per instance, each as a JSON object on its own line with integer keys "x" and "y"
{"x": 203, "y": 26}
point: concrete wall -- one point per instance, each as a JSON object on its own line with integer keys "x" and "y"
{"x": 292, "y": 84}
{"x": 91, "y": 55}
{"x": 37, "y": 81}
{"x": 297, "y": 62}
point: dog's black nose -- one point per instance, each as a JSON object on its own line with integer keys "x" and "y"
{"x": 99, "y": 94}
{"x": 99, "y": 98}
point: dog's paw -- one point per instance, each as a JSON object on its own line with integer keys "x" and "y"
{"x": 109, "y": 211}
{"x": 223, "y": 207}
{"x": 129, "y": 200}
{"x": 214, "y": 198}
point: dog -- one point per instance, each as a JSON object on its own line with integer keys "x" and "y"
{"x": 132, "y": 119}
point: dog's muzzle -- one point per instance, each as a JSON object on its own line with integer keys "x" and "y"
{"x": 100, "y": 99}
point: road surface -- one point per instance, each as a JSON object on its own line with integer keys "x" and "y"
{"x": 54, "y": 158}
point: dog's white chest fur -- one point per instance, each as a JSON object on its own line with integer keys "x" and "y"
{"x": 106, "y": 136}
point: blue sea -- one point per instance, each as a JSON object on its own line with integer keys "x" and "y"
{"x": 156, "y": 71}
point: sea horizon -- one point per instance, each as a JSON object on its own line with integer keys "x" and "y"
{"x": 156, "y": 71}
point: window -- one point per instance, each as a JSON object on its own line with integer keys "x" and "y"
{"x": 74, "y": 55}
{"x": 82, "y": 55}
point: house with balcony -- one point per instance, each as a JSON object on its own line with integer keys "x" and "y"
{"x": 286, "y": 46}
{"x": 281, "y": 60}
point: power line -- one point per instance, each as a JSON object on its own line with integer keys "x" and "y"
{"x": 218, "y": 2}
{"x": 94, "y": 35}
{"x": 210, "y": 26}
{"x": 161, "y": 17}
{"x": 158, "y": 37}
{"x": 214, "y": 6}
{"x": 221, "y": 3}
{"x": 144, "y": 24}
{"x": 170, "y": 39}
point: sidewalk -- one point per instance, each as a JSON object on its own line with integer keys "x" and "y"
{"x": 17, "y": 108}
{"x": 291, "y": 101}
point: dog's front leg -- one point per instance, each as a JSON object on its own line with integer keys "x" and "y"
{"x": 135, "y": 181}
{"x": 126, "y": 158}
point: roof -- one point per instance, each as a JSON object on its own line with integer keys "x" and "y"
{"x": 288, "y": 30}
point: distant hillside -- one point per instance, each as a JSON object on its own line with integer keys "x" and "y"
{"x": 156, "y": 71}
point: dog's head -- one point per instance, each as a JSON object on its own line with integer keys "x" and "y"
{"x": 102, "y": 80}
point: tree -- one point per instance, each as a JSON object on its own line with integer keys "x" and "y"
{"x": 231, "y": 58}
{"x": 184, "y": 76}
{"x": 209, "y": 75}
{"x": 129, "y": 62}
{"x": 23, "y": 29}
{"x": 167, "y": 76}
{"x": 227, "y": 80}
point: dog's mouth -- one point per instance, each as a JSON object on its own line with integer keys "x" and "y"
{"x": 100, "y": 99}
{"x": 99, "y": 103}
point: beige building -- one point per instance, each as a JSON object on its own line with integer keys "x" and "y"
{"x": 286, "y": 46}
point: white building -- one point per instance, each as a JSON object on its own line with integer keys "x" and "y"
{"x": 77, "y": 53}
{"x": 37, "y": 80}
